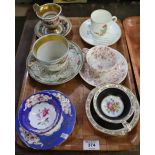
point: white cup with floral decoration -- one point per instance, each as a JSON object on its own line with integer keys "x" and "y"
{"x": 99, "y": 20}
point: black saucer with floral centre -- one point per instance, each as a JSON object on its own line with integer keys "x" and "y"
{"x": 63, "y": 28}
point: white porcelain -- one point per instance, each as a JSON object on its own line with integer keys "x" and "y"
{"x": 116, "y": 75}
{"x": 101, "y": 58}
{"x": 99, "y": 20}
{"x": 111, "y": 36}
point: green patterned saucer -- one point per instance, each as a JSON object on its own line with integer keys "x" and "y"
{"x": 63, "y": 28}
{"x": 41, "y": 74}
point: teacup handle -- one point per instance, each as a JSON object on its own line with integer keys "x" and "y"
{"x": 114, "y": 18}
{"x": 85, "y": 50}
{"x": 127, "y": 126}
{"x": 36, "y": 7}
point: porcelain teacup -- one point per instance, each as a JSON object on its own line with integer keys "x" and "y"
{"x": 100, "y": 59}
{"x": 49, "y": 14}
{"x": 99, "y": 22}
{"x": 113, "y": 104}
{"x": 51, "y": 51}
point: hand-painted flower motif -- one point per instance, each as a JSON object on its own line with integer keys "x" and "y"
{"x": 114, "y": 107}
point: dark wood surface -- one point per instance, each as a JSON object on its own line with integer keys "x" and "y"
{"x": 132, "y": 33}
{"x": 73, "y": 88}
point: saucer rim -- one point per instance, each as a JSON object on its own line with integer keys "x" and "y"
{"x": 36, "y": 32}
{"x": 95, "y": 44}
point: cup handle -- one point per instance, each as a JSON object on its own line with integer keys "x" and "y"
{"x": 127, "y": 126}
{"x": 36, "y": 7}
{"x": 84, "y": 51}
{"x": 114, "y": 18}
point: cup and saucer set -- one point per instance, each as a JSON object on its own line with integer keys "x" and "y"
{"x": 47, "y": 118}
{"x": 51, "y": 20}
{"x": 100, "y": 29}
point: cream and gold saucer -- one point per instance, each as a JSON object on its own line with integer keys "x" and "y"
{"x": 63, "y": 28}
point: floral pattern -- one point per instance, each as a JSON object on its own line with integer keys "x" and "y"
{"x": 65, "y": 103}
{"x": 102, "y": 30}
{"x": 34, "y": 99}
{"x": 30, "y": 138}
{"x": 43, "y": 114}
{"x": 116, "y": 75}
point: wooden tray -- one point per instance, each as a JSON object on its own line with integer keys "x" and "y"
{"x": 132, "y": 33}
{"x": 78, "y": 90}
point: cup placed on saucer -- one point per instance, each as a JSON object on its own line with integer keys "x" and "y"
{"x": 114, "y": 105}
{"x": 99, "y": 20}
{"x": 49, "y": 14}
{"x": 100, "y": 59}
{"x": 51, "y": 51}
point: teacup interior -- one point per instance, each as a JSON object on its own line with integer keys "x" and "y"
{"x": 49, "y": 10}
{"x": 118, "y": 93}
{"x": 101, "y": 16}
{"x": 50, "y": 48}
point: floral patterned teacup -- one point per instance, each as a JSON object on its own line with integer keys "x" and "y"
{"x": 100, "y": 59}
{"x": 49, "y": 14}
{"x": 99, "y": 20}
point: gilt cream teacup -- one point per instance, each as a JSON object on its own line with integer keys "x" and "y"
{"x": 99, "y": 22}
{"x": 49, "y": 14}
{"x": 51, "y": 51}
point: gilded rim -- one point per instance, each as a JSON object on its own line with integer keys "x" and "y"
{"x": 61, "y": 17}
{"x": 48, "y": 4}
{"x": 125, "y": 90}
{"x": 119, "y": 132}
{"x": 43, "y": 40}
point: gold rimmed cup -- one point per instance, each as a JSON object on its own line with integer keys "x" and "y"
{"x": 51, "y": 51}
{"x": 49, "y": 14}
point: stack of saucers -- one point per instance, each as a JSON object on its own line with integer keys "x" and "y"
{"x": 45, "y": 119}
{"x": 112, "y": 109}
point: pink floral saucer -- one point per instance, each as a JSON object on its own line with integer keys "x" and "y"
{"x": 116, "y": 75}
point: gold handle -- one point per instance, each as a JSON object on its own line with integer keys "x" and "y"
{"x": 36, "y": 7}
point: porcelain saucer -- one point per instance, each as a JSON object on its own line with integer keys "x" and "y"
{"x": 44, "y": 142}
{"x": 111, "y": 36}
{"x": 116, "y": 75}
{"x": 63, "y": 28}
{"x": 41, "y": 74}
{"x": 107, "y": 127}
